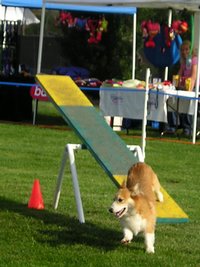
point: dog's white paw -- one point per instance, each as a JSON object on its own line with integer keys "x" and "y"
{"x": 150, "y": 250}
{"x": 149, "y": 242}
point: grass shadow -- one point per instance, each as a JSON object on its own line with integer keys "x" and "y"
{"x": 49, "y": 120}
{"x": 65, "y": 230}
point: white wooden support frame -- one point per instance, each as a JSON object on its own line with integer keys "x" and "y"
{"x": 69, "y": 153}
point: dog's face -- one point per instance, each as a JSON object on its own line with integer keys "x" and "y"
{"x": 121, "y": 202}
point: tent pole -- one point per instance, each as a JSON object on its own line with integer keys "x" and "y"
{"x": 144, "y": 122}
{"x": 41, "y": 38}
{"x": 197, "y": 81}
{"x": 134, "y": 45}
{"x": 169, "y": 25}
{"x": 39, "y": 55}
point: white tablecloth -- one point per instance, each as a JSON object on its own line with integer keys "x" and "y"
{"x": 181, "y": 101}
{"x": 129, "y": 103}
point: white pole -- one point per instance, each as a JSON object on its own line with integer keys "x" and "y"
{"x": 4, "y": 28}
{"x": 197, "y": 14}
{"x": 69, "y": 151}
{"x": 134, "y": 45}
{"x": 137, "y": 152}
{"x": 39, "y": 55}
{"x": 144, "y": 122}
{"x": 169, "y": 25}
{"x": 77, "y": 193}
{"x": 60, "y": 179}
{"x": 41, "y": 38}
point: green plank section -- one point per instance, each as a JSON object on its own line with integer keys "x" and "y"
{"x": 105, "y": 145}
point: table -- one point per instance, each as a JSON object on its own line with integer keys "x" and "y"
{"x": 129, "y": 103}
{"x": 181, "y": 101}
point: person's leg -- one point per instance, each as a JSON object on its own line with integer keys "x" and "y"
{"x": 186, "y": 123}
{"x": 172, "y": 121}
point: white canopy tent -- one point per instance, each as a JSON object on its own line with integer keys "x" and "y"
{"x": 18, "y": 14}
{"x": 191, "y": 5}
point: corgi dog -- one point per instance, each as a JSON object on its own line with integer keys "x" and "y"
{"x": 134, "y": 204}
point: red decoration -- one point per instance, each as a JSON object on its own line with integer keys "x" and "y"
{"x": 150, "y": 30}
{"x": 95, "y": 26}
{"x": 179, "y": 26}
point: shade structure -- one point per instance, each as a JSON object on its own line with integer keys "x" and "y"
{"x": 24, "y": 15}
{"x": 192, "y": 5}
{"x": 71, "y": 6}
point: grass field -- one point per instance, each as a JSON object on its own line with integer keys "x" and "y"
{"x": 56, "y": 238}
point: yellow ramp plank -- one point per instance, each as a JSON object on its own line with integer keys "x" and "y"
{"x": 120, "y": 178}
{"x": 60, "y": 89}
{"x": 169, "y": 208}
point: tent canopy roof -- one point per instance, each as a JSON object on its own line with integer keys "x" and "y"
{"x": 175, "y": 4}
{"x": 193, "y": 5}
{"x": 64, "y": 5}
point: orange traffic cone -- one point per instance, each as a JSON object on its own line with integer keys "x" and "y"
{"x": 36, "y": 200}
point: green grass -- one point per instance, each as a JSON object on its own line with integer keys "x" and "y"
{"x": 56, "y": 238}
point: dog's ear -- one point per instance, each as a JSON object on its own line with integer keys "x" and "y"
{"x": 123, "y": 185}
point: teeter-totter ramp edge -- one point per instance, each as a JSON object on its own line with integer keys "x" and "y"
{"x": 104, "y": 144}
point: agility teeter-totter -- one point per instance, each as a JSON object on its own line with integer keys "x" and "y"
{"x": 113, "y": 155}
